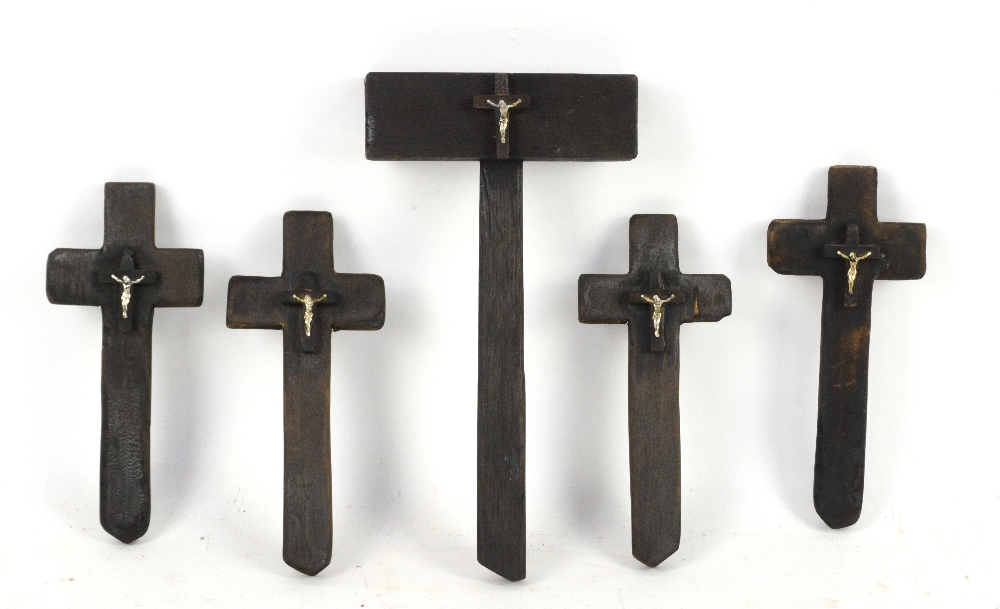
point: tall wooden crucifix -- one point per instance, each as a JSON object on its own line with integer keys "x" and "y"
{"x": 850, "y": 249}
{"x": 127, "y": 278}
{"x": 307, "y": 301}
{"x": 654, "y": 298}
{"x": 501, "y": 120}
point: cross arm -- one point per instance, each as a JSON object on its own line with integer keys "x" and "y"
{"x": 255, "y": 303}
{"x": 794, "y": 245}
{"x": 835, "y": 251}
{"x": 69, "y": 277}
{"x": 431, "y": 116}
{"x": 360, "y": 304}
{"x": 904, "y": 250}
{"x": 491, "y": 102}
{"x": 711, "y": 298}
{"x": 603, "y": 299}
{"x": 674, "y": 297}
{"x": 295, "y": 297}
{"x": 181, "y": 280}
{"x": 148, "y": 277}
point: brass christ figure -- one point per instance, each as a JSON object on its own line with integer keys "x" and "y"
{"x": 852, "y": 270}
{"x": 504, "y": 109}
{"x": 126, "y": 291}
{"x": 307, "y": 315}
{"x": 657, "y": 303}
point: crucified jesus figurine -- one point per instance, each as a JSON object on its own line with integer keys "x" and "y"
{"x": 504, "y": 108}
{"x": 852, "y": 271}
{"x": 657, "y": 303}
{"x": 307, "y": 315}
{"x": 127, "y": 291}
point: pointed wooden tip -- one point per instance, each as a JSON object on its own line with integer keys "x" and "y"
{"x": 653, "y": 556}
{"x": 126, "y": 532}
{"x": 510, "y": 571}
{"x": 839, "y": 521}
{"x": 837, "y": 515}
{"x": 307, "y": 566}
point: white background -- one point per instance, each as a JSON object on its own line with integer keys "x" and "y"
{"x": 240, "y": 112}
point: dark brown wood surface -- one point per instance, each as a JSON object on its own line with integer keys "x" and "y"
{"x": 809, "y": 247}
{"x": 654, "y": 369}
{"x": 501, "y": 529}
{"x": 431, "y": 116}
{"x": 447, "y": 116}
{"x": 171, "y": 278}
{"x": 349, "y": 302}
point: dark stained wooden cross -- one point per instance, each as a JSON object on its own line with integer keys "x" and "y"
{"x": 307, "y": 301}
{"x": 654, "y": 298}
{"x": 850, "y": 249}
{"x": 127, "y": 278}
{"x": 533, "y": 117}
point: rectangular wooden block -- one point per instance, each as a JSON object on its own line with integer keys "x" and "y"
{"x": 430, "y": 116}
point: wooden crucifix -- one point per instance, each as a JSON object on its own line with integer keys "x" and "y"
{"x": 850, "y": 249}
{"x": 501, "y": 120}
{"x": 127, "y": 278}
{"x": 307, "y": 301}
{"x": 654, "y": 298}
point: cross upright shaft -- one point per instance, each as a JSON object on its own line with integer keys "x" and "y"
{"x": 883, "y": 250}
{"x": 440, "y": 116}
{"x": 171, "y": 278}
{"x": 339, "y": 301}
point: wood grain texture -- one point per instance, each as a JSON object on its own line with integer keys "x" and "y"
{"x": 808, "y": 247}
{"x": 430, "y": 116}
{"x": 501, "y": 529}
{"x": 349, "y": 302}
{"x": 654, "y": 369}
{"x": 174, "y": 278}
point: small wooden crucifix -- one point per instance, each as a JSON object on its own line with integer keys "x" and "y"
{"x": 127, "y": 278}
{"x": 307, "y": 301}
{"x": 850, "y": 249}
{"x": 654, "y": 298}
{"x": 533, "y": 117}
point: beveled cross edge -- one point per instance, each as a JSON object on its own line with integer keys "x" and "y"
{"x": 501, "y": 102}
